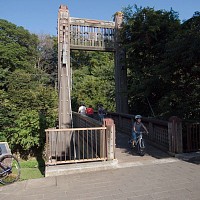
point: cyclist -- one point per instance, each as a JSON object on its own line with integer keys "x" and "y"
{"x": 137, "y": 128}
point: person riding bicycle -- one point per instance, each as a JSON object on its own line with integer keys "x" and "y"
{"x": 137, "y": 128}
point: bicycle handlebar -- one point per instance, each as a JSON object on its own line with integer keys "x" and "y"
{"x": 140, "y": 132}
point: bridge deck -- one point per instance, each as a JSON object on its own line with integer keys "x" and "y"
{"x": 126, "y": 155}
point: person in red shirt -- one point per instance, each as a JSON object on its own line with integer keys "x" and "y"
{"x": 90, "y": 111}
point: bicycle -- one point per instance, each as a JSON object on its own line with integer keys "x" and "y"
{"x": 139, "y": 143}
{"x": 9, "y": 168}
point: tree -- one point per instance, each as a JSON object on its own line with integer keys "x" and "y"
{"x": 48, "y": 57}
{"x": 163, "y": 60}
{"x": 181, "y": 69}
{"x": 145, "y": 34}
{"x": 28, "y": 103}
{"x": 93, "y": 79}
{"x": 32, "y": 107}
{"x": 18, "y": 49}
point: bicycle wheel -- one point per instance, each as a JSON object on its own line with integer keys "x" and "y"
{"x": 130, "y": 144}
{"x": 12, "y": 169}
{"x": 141, "y": 147}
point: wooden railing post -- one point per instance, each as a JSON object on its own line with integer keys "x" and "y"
{"x": 110, "y": 138}
{"x": 175, "y": 135}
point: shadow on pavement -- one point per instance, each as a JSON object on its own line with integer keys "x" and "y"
{"x": 123, "y": 149}
{"x": 192, "y": 157}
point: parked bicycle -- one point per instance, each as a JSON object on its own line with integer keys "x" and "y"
{"x": 139, "y": 144}
{"x": 9, "y": 168}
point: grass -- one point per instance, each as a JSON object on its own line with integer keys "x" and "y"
{"x": 32, "y": 169}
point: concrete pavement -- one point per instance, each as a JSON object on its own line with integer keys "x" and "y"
{"x": 166, "y": 179}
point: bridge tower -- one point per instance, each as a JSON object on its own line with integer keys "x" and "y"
{"x": 120, "y": 69}
{"x": 93, "y": 35}
{"x": 64, "y": 70}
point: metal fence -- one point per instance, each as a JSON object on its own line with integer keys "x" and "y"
{"x": 75, "y": 145}
{"x": 89, "y": 140}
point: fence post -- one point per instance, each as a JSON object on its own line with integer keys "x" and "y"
{"x": 110, "y": 138}
{"x": 175, "y": 135}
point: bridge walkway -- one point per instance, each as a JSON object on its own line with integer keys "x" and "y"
{"x": 125, "y": 155}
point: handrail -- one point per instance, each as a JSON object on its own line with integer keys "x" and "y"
{"x": 89, "y": 140}
{"x": 76, "y": 129}
{"x": 73, "y": 145}
{"x": 158, "y": 129}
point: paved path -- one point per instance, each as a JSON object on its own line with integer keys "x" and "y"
{"x": 174, "y": 180}
{"x": 152, "y": 177}
{"x": 124, "y": 154}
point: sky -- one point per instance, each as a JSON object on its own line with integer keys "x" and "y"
{"x": 40, "y": 16}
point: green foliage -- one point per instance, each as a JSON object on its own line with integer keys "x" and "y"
{"x": 183, "y": 79}
{"x": 33, "y": 109}
{"x": 163, "y": 62}
{"x": 93, "y": 79}
{"x": 18, "y": 48}
{"x": 28, "y": 103}
{"x": 48, "y": 56}
{"x": 25, "y": 133}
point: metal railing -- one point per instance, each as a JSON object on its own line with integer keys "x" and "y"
{"x": 158, "y": 129}
{"x": 173, "y": 135}
{"x": 83, "y": 121}
{"x": 89, "y": 140}
{"x": 75, "y": 145}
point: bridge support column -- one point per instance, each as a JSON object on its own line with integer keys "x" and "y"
{"x": 120, "y": 69}
{"x": 64, "y": 77}
{"x": 64, "y": 71}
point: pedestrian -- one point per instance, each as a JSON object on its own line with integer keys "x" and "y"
{"x": 101, "y": 113}
{"x": 82, "y": 109}
{"x": 90, "y": 111}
